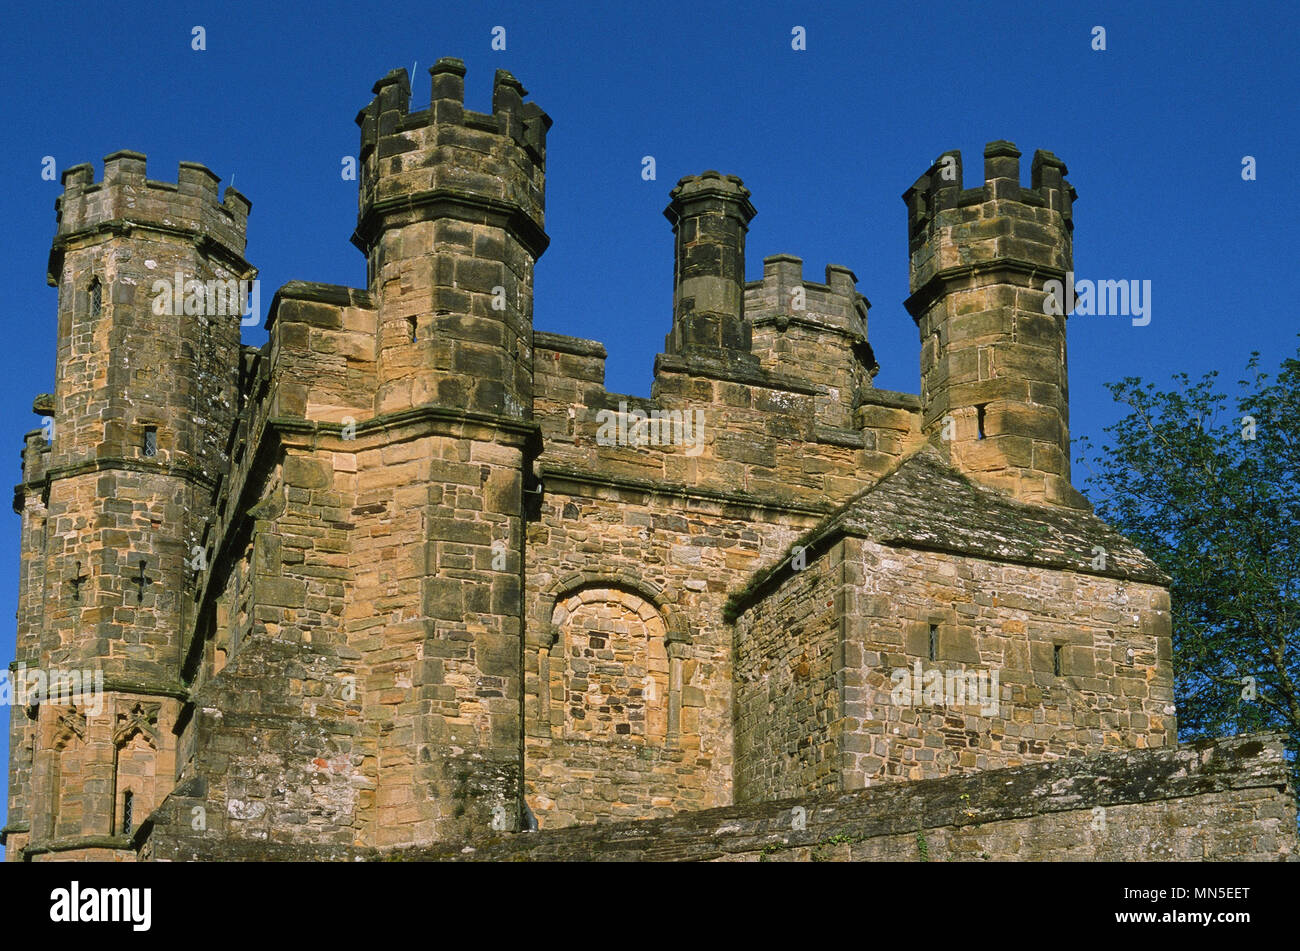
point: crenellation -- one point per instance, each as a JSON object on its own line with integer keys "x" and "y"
{"x": 993, "y": 365}
{"x": 409, "y": 576}
{"x": 126, "y": 199}
{"x": 813, "y": 332}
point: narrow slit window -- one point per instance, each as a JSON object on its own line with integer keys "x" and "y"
{"x": 151, "y": 440}
{"x": 934, "y": 642}
{"x": 96, "y": 297}
{"x": 411, "y": 329}
{"x": 128, "y": 810}
{"x": 979, "y": 418}
{"x": 1056, "y": 659}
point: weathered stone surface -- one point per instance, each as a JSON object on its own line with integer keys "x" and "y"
{"x": 408, "y": 577}
{"x": 1228, "y": 800}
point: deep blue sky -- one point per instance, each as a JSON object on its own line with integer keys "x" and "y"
{"x": 1153, "y": 130}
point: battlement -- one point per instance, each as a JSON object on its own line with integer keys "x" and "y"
{"x": 783, "y": 296}
{"x": 941, "y": 188}
{"x": 390, "y": 111}
{"x": 449, "y": 161}
{"x": 126, "y": 198}
{"x": 414, "y": 550}
{"x": 994, "y": 387}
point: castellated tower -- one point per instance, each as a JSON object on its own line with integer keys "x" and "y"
{"x": 994, "y": 394}
{"x": 451, "y": 212}
{"x": 408, "y": 577}
{"x": 451, "y": 223}
{"x": 144, "y": 399}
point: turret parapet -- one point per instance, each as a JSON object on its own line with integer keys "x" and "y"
{"x": 994, "y": 387}
{"x": 813, "y": 332}
{"x": 784, "y": 295}
{"x": 126, "y": 199}
{"x": 451, "y": 214}
{"x": 419, "y": 158}
{"x": 390, "y": 111}
{"x": 940, "y": 188}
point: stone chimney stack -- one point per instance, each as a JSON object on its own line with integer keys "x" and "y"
{"x": 710, "y": 214}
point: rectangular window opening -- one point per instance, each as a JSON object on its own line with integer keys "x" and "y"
{"x": 411, "y": 328}
{"x": 1056, "y": 659}
{"x": 979, "y": 418}
{"x": 934, "y": 642}
{"x": 151, "y": 440}
{"x": 128, "y": 808}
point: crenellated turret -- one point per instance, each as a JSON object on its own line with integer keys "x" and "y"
{"x": 451, "y": 222}
{"x": 117, "y": 485}
{"x": 993, "y": 368}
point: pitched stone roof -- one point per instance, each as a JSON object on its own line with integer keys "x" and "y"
{"x": 927, "y": 504}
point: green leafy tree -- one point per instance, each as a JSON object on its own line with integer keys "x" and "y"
{"x": 1209, "y": 488}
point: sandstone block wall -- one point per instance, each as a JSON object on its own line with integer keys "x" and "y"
{"x": 1114, "y": 688}
{"x": 880, "y": 634}
{"x": 410, "y": 574}
{"x": 816, "y": 661}
{"x": 611, "y": 542}
{"x": 1225, "y": 800}
{"x": 790, "y": 696}
{"x": 601, "y": 558}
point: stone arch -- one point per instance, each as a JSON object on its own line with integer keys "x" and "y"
{"x": 136, "y": 741}
{"x": 64, "y": 753}
{"x": 677, "y": 630}
{"x": 610, "y": 663}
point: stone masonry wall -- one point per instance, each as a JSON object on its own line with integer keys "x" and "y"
{"x": 666, "y": 533}
{"x": 788, "y": 689}
{"x": 1114, "y": 688}
{"x": 29, "y": 618}
{"x": 599, "y": 554}
{"x": 1223, "y": 800}
{"x": 1084, "y": 664}
{"x": 440, "y": 595}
